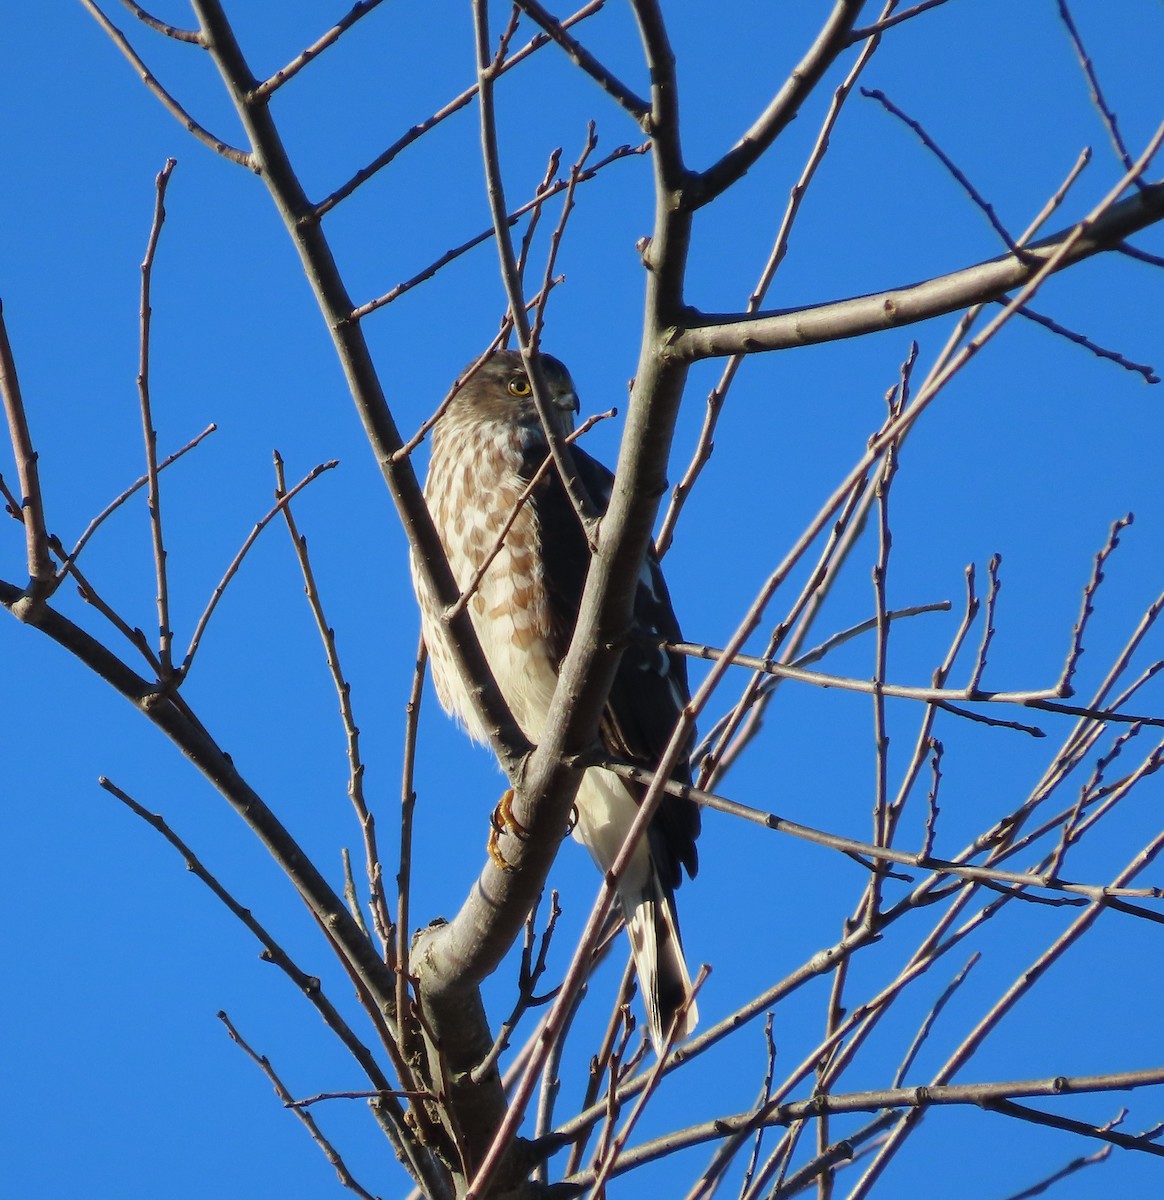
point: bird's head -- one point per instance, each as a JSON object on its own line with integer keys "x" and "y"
{"x": 501, "y": 391}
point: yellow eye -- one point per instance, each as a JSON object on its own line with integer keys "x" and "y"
{"x": 519, "y": 386}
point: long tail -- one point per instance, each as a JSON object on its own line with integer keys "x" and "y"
{"x": 649, "y": 909}
{"x": 605, "y": 811}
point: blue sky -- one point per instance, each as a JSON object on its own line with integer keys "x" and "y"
{"x": 119, "y": 1080}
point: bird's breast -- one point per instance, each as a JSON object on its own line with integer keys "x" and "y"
{"x": 473, "y": 490}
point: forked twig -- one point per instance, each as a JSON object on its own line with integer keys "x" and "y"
{"x": 330, "y": 1152}
{"x": 231, "y": 153}
{"x": 236, "y": 562}
{"x": 360, "y": 9}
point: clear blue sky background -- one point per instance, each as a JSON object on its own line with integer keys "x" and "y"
{"x": 119, "y": 1082}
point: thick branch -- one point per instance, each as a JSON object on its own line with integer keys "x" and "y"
{"x": 802, "y": 81}
{"x": 714, "y": 335}
{"x": 269, "y": 154}
{"x": 187, "y": 733}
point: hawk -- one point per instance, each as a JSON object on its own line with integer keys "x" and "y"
{"x": 486, "y": 448}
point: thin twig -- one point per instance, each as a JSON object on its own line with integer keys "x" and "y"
{"x": 466, "y": 97}
{"x": 718, "y": 394}
{"x": 1087, "y": 608}
{"x": 1126, "y": 248}
{"x": 535, "y": 333}
{"x": 928, "y": 1024}
{"x": 154, "y": 498}
{"x": 988, "y": 629}
{"x": 1079, "y": 339}
{"x": 360, "y": 9}
{"x": 273, "y": 952}
{"x": 946, "y": 161}
{"x": 171, "y": 31}
{"x": 531, "y": 228}
{"x": 858, "y": 849}
{"x": 404, "y": 873}
{"x": 236, "y": 562}
{"x": 883, "y": 23}
{"x": 560, "y": 185}
{"x": 373, "y": 868}
{"x": 1106, "y": 112}
{"x": 330, "y": 1152}
{"x": 115, "y": 504}
{"x": 232, "y": 153}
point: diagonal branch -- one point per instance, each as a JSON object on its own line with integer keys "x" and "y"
{"x": 168, "y": 102}
{"x": 635, "y": 105}
{"x": 713, "y": 335}
{"x": 30, "y": 509}
{"x": 911, "y": 1099}
{"x": 360, "y": 9}
{"x": 833, "y": 39}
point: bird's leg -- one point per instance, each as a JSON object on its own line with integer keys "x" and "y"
{"x": 500, "y": 821}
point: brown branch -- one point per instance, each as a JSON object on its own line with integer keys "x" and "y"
{"x": 1087, "y": 607}
{"x": 173, "y": 719}
{"x": 868, "y": 850}
{"x": 466, "y": 97}
{"x": 535, "y": 333}
{"x": 330, "y": 1152}
{"x": 1080, "y": 339}
{"x": 988, "y": 630}
{"x": 405, "y": 1019}
{"x": 531, "y": 229}
{"x": 232, "y": 153}
{"x": 30, "y": 509}
{"x": 888, "y": 22}
{"x": 560, "y": 185}
{"x": 171, "y": 31}
{"x": 634, "y": 105}
{"x": 373, "y": 869}
{"x": 154, "y": 499}
{"x": 274, "y": 953}
{"x": 1025, "y": 981}
{"x": 1106, "y": 113}
{"x": 1035, "y": 1116}
{"x": 1153, "y": 260}
{"x": 716, "y": 335}
{"x": 487, "y": 66}
{"x": 913, "y": 1099}
{"x": 932, "y": 146}
{"x": 928, "y": 695}
{"x": 1079, "y": 1163}
{"x": 718, "y": 395}
{"x": 832, "y": 40}
{"x": 279, "y": 505}
{"x": 115, "y": 504}
{"x": 360, "y": 9}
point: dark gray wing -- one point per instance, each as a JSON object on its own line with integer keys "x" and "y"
{"x": 650, "y": 687}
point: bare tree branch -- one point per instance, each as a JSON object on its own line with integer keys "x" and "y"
{"x": 715, "y": 335}
{"x": 232, "y": 153}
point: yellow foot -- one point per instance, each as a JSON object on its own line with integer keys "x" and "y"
{"x": 502, "y": 820}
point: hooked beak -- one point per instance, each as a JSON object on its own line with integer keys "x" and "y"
{"x": 567, "y": 402}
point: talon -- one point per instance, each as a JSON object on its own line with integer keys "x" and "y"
{"x": 502, "y": 820}
{"x": 572, "y": 823}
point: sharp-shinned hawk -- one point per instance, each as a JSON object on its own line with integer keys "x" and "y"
{"x": 486, "y": 447}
